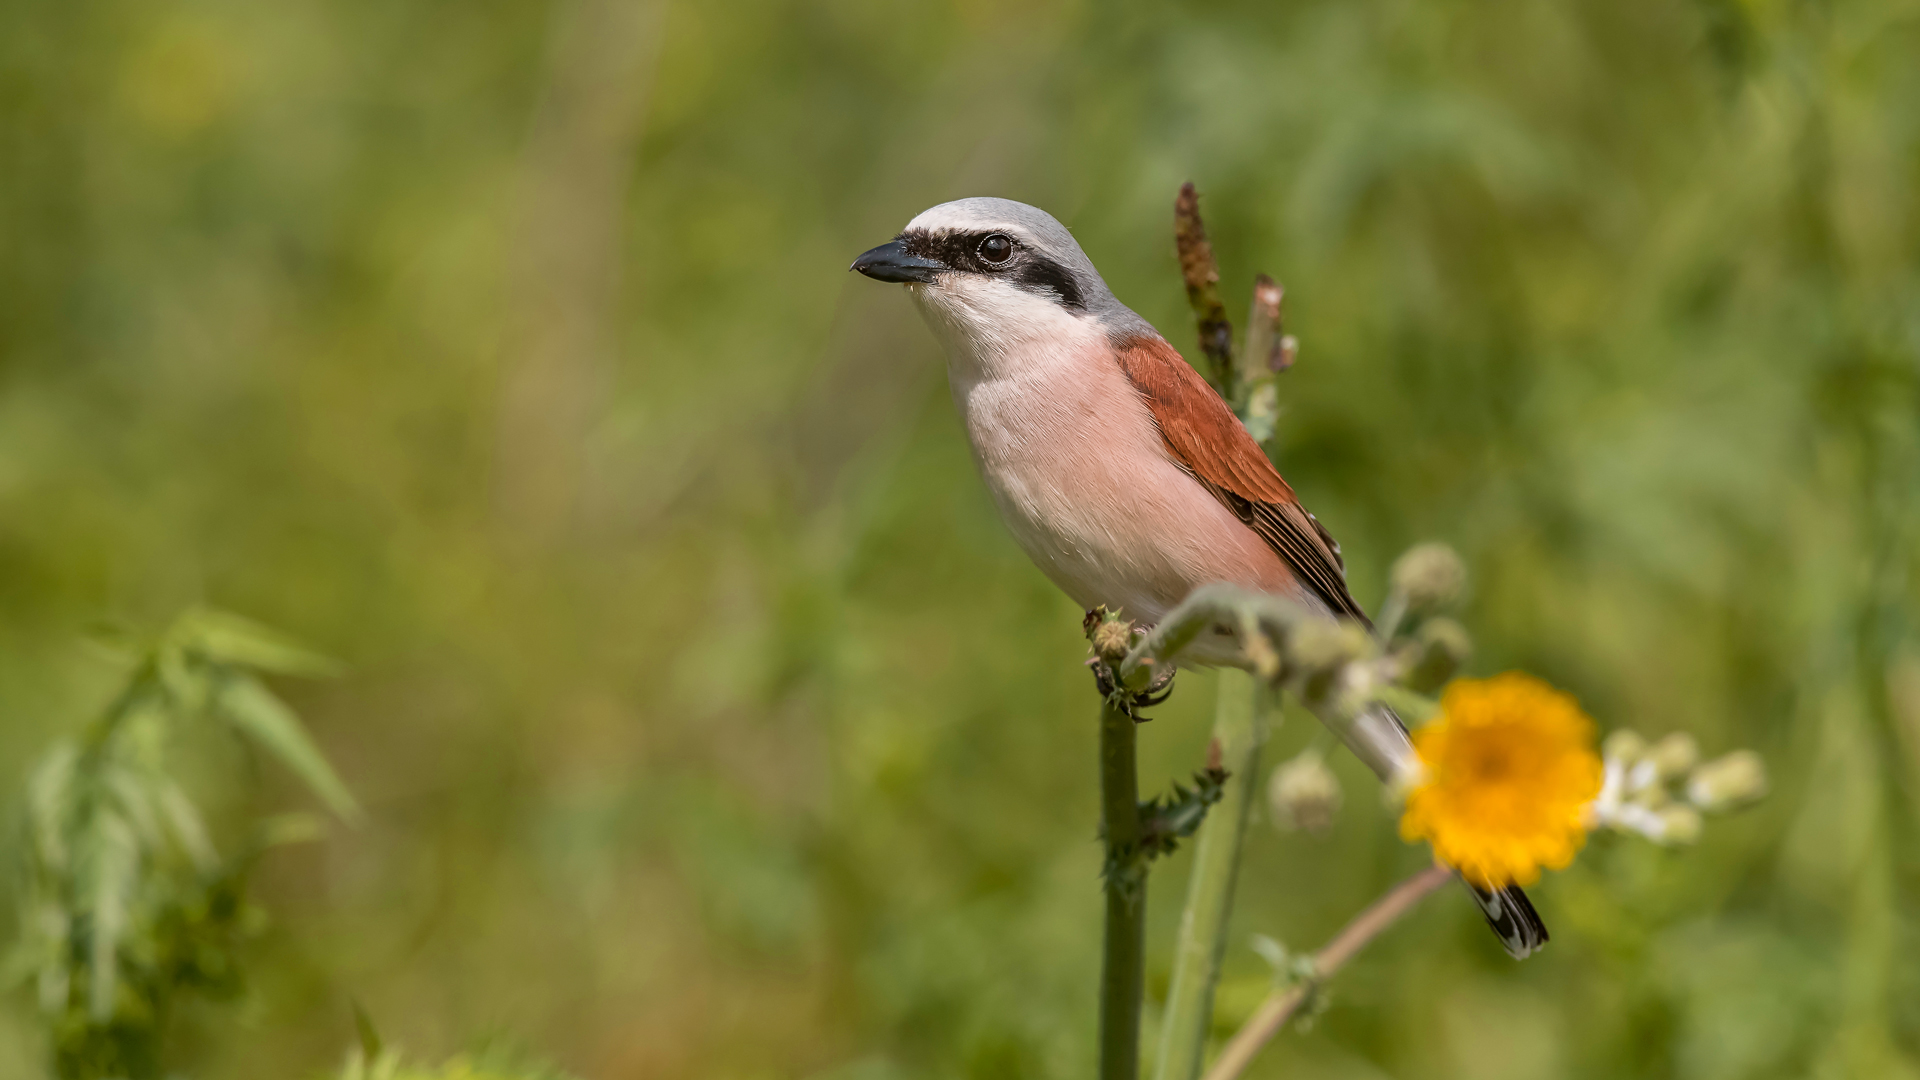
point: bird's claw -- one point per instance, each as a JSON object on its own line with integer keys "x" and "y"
{"x": 1156, "y": 692}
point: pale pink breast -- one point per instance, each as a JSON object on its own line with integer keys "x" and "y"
{"x": 1085, "y": 484}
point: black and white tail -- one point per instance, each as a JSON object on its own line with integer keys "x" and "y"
{"x": 1513, "y": 919}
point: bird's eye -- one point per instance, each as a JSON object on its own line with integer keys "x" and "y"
{"x": 997, "y": 248}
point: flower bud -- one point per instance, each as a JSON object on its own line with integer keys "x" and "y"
{"x": 1321, "y": 649}
{"x": 1304, "y": 795}
{"x": 1429, "y": 575}
{"x": 1728, "y": 782}
{"x": 1674, "y": 756}
{"x": 1624, "y": 746}
{"x": 1679, "y": 824}
{"x": 1440, "y": 648}
{"x": 1645, "y": 792}
{"x": 1326, "y": 644}
{"x": 1112, "y": 640}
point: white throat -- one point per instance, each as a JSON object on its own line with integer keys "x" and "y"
{"x": 993, "y": 330}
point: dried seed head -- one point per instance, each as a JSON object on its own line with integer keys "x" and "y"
{"x": 1429, "y": 575}
{"x": 1728, "y": 782}
{"x": 1304, "y": 795}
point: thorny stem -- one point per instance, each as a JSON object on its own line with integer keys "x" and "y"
{"x": 1239, "y": 728}
{"x": 1279, "y": 1007}
{"x": 1123, "y": 961}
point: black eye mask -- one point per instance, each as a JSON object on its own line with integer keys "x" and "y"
{"x": 1025, "y": 267}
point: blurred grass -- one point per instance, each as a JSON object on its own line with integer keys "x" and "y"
{"x": 706, "y": 721}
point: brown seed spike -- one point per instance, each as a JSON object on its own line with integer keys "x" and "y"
{"x": 1202, "y": 276}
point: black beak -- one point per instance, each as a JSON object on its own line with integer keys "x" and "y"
{"x": 890, "y": 262}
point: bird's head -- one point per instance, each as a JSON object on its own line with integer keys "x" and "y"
{"x": 992, "y": 273}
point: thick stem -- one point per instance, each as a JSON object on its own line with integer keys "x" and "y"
{"x": 1239, "y": 726}
{"x": 1123, "y": 962}
{"x": 1273, "y": 1013}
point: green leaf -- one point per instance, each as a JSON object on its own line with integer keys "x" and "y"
{"x": 370, "y": 1046}
{"x": 185, "y": 683}
{"x": 283, "y": 829}
{"x": 113, "y": 857}
{"x": 129, "y": 790}
{"x": 225, "y": 638}
{"x": 183, "y": 820}
{"x": 251, "y": 707}
{"x": 48, "y": 796}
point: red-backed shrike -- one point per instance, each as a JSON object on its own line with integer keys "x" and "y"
{"x": 1117, "y": 468}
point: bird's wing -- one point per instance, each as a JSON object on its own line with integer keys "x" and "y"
{"x": 1207, "y": 440}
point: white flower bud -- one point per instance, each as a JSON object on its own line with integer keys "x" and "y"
{"x": 1304, "y": 795}
{"x": 1728, "y": 782}
{"x": 1429, "y": 575}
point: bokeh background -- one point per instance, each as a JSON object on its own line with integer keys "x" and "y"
{"x": 708, "y": 723}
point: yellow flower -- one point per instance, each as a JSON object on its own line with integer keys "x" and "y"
{"x": 1508, "y": 771}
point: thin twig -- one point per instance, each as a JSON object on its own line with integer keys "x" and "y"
{"x": 1279, "y": 1007}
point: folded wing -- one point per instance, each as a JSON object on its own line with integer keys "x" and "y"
{"x": 1208, "y": 441}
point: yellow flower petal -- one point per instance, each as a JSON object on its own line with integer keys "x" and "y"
{"x": 1509, "y": 769}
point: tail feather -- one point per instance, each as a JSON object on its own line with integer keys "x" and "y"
{"x": 1512, "y": 918}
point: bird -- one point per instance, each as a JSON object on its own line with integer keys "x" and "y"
{"x": 1116, "y": 467}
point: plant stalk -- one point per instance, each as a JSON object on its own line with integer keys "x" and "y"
{"x": 1273, "y": 1013}
{"x": 1123, "y": 961}
{"x": 1239, "y": 726}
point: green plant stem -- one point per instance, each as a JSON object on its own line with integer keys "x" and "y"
{"x": 1123, "y": 961}
{"x": 1239, "y": 727}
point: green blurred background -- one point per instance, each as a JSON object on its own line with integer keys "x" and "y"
{"x": 708, "y": 723}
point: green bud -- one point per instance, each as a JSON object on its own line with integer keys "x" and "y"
{"x": 1320, "y": 649}
{"x": 1304, "y": 795}
{"x": 1728, "y": 782}
{"x": 1674, "y": 756}
{"x": 1625, "y": 746}
{"x": 1327, "y": 644}
{"x": 1679, "y": 824}
{"x": 1429, "y": 575}
{"x": 1440, "y": 648}
{"x": 1112, "y": 641}
{"x": 1652, "y": 796}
